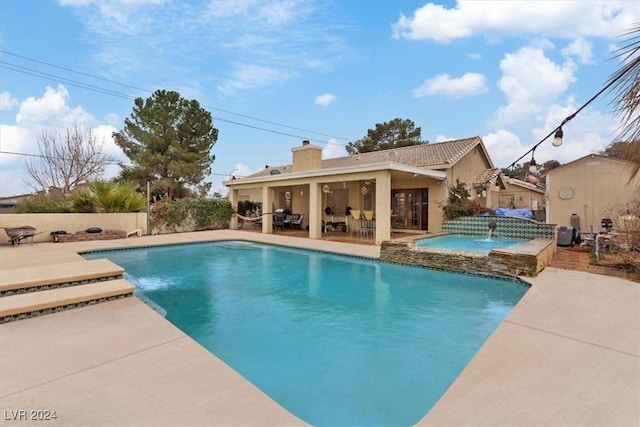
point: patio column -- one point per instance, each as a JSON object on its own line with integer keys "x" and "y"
{"x": 233, "y": 199}
{"x": 315, "y": 209}
{"x": 267, "y": 207}
{"x": 383, "y": 206}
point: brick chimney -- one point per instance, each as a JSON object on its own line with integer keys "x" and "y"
{"x": 306, "y": 157}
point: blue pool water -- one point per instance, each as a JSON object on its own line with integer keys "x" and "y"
{"x": 335, "y": 340}
{"x": 458, "y": 242}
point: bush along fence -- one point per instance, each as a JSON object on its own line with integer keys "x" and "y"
{"x": 190, "y": 215}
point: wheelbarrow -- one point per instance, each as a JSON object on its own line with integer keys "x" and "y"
{"x": 17, "y": 234}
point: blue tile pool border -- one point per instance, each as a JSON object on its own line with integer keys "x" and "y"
{"x": 515, "y": 280}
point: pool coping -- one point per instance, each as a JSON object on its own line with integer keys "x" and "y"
{"x": 569, "y": 353}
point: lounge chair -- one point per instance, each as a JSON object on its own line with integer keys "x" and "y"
{"x": 136, "y": 232}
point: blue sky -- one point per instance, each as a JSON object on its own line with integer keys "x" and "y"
{"x": 273, "y": 73}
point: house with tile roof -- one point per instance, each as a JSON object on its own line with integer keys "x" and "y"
{"x": 521, "y": 194}
{"x": 405, "y": 188}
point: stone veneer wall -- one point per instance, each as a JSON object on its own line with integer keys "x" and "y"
{"x": 526, "y": 260}
{"x": 510, "y": 227}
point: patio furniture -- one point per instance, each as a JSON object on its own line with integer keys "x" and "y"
{"x": 136, "y": 232}
{"x": 288, "y": 219}
{"x": 297, "y": 222}
{"x": 354, "y": 223}
{"x": 368, "y": 224}
{"x": 278, "y": 221}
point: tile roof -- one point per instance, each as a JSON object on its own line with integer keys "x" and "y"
{"x": 486, "y": 176}
{"x": 439, "y": 155}
{"x": 528, "y": 185}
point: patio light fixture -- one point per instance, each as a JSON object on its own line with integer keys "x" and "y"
{"x": 557, "y": 138}
{"x": 533, "y": 166}
{"x": 558, "y": 132}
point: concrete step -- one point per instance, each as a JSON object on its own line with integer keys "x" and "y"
{"x": 24, "y": 305}
{"x": 29, "y": 279}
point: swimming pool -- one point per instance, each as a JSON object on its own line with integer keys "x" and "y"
{"x": 336, "y": 340}
{"x": 459, "y": 242}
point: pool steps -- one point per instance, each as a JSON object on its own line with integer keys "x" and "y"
{"x": 29, "y": 292}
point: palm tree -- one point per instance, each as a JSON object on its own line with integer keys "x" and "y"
{"x": 625, "y": 83}
{"x": 109, "y": 197}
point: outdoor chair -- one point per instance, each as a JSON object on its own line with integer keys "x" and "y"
{"x": 354, "y": 223}
{"x": 278, "y": 221}
{"x": 368, "y": 225}
{"x": 297, "y": 222}
{"x": 289, "y": 219}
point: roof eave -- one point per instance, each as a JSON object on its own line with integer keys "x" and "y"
{"x": 372, "y": 167}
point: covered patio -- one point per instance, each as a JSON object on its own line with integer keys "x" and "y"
{"x": 364, "y": 201}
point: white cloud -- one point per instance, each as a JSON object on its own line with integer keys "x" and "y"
{"x": 241, "y": 170}
{"x": 602, "y": 18}
{"x": 443, "y": 84}
{"x": 585, "y": 134}
{"x": 504, "y": 147}
{"x": 251, "y": 76}
{"x": 51, "y": 111}
{"x": 333, "y": 149}
{"x": 530, "y": 82}
{"x": 114, "y": 119}
{"x": 581, "y": 49}
{"x": 14, "y": 139}
{"x": 443, "y": 138}
{"x": 589, "y": 132}
{"x": 325, "y": 99}
{"x": 7, "y": 102}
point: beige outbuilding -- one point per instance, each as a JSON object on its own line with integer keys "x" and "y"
{"x": 593, "y": 188}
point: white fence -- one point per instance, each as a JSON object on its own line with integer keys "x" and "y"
{"x": 72, "y": 222}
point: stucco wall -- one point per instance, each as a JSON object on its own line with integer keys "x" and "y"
{"x": 468, "y": 168}
{"x": 72, "y": 222}
{"x": 589, "y": 187}
{"x": 523, "y": 198}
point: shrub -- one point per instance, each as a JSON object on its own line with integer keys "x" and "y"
{"x": 55, "y": 203}
{"x": 109, "y": 197}
{"x": 459, "y": 204}
{"x": 191, "y": 215}
{"x": 83, "y": 201}
{"x": 626, "y": 235}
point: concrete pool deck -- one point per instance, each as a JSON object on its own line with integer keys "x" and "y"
{"x": 568, "y": 354}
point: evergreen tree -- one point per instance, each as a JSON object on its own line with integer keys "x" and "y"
{"x": 394, "y": 134}
{"x": 169, "y": 140}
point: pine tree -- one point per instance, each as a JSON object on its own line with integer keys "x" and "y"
{"x": 168, "y": 140}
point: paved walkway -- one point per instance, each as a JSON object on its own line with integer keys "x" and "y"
{"x": 568, "y": 354}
